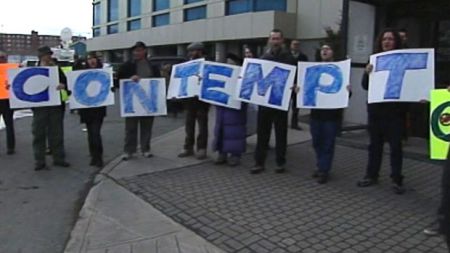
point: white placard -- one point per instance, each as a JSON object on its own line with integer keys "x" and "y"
{"x": 34, "y": 87}
{"x": 145, "y": 98}
{"x": 185, "y": 79}
{"x": 401, "y": 76}
{"x": 266, "y": 83}
{"x": 323, "y": 85}
{"x": 90, "y": 88}
{"x": 218, "y": 84}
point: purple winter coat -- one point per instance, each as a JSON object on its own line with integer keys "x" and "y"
{"x": 230, "y": 130}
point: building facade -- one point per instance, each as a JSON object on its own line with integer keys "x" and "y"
{"x": 20, "y": 46}
{"x": 167, "y": 26}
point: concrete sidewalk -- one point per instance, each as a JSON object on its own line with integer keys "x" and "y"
{"x": 115, "y": 220}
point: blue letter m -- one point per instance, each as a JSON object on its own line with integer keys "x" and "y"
{"x": 276, "y": 80}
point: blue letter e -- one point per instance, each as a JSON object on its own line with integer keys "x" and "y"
{"x": 207, "y": 91}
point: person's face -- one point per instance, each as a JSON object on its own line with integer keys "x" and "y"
{"x": 248, "y": 53}
{"x": 295, "y": 46}
{"x": 403, "y": 37}
{"x": 276, "y": 40}
{"x": 47, "y": 58}
{"x": 92, "y": 62}
{"x": 388, "y": 41}
{"x": 139, "y": 53}
{"x": 3, "y": 58}
{"x": 195, "y": 54}
{"x": 326, "y": 53}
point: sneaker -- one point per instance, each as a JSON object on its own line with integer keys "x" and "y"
{"x": 221, "y": 159}
{"x": 257, "y": 169}
{"x": 433, "y": 230}
{"x": 99, "y": 163}
{"x": 234, "y": 161}
{"x": 398, "y": 188}
{"x": 147, "y": 154}
{"x": 201, "y": 154}
{"x": 366, "y": 182}
{"x": 280, "y": 169}
{"x": 41, "y": 167}
{"x": 93, "y": 162}
{"x": 322, "y": 178}
{"x": 126, "y": 157}
{"x": 10, "y": 152}
{"x": 63, "y": 164}
{"x": 316, "y": 174}
{"x": 186, "y": 153}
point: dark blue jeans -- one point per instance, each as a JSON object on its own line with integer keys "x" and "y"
{"x": 324, "y": 137}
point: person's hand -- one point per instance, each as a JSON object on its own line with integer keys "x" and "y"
{"x": 448, "y": 88}
{"x": 369, "y": 68}
{"x": 7, "y": 85}
{"x": 135, "y": 78}
{"x": 200, "y": 78}
{"x": 349, "y": 88}
{"x": 295, "y": 89}
{"x": 61, "y": 86}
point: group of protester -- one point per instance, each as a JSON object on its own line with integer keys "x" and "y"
{"x": 386, "y": 121}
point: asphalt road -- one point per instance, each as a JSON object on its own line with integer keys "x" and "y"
{"x": 38, "y": 209}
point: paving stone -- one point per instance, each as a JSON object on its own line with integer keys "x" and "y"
{"x": 290, "y": 212}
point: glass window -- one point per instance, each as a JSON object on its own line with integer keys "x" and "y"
{"x": 238, "y": 6}
{"x": 195, "y": 13}
{"x": 113, "y": 29}
{"x": 113, "y": 10}
{"x": 97, "y": 11}
{"x": 160, "y": 20}
{"x": 191, "y": 1}
{"x": 270, "y": 5}
{"x": 134, "y": 25}
{"x": 242, "y": 6}
{"x": 134, "y": 8}
{"x": 96, "y": 32}
{"x": 160, "y": 5}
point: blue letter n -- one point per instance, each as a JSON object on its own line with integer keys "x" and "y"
{"x": 148, "y": 101}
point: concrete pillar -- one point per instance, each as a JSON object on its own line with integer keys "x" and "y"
{"x": 151, "y": 51}
{"x": 181, "y": 50}
{"x": 126, "y": 55}
{"x": 106, "y": 56}
{"x": 221, "y": 48}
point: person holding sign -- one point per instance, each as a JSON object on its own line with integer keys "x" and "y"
{"x": 48, "y": 122}
{"x": 196, "y": 110}
{"x": 270, "y": 116}
{"x": 324, "y": 128}
{"x": 385, "y": 123}
{"x": 93, "y": 117}
{"x": 230, "y": 128}
{"x": 136, "y": 69}
{"x": 5, "y": 110}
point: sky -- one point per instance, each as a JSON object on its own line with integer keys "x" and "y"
{"x": 46, "y": 16}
